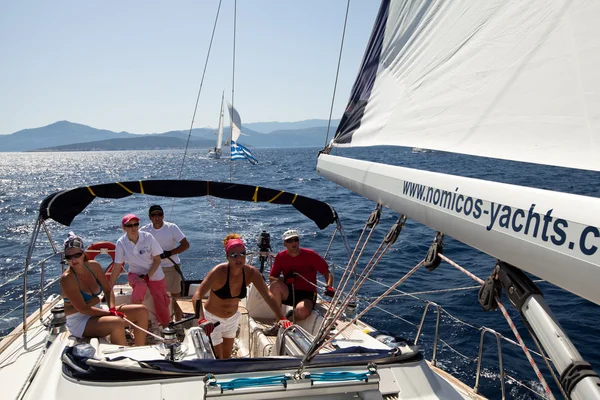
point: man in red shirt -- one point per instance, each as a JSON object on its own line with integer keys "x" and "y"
{"x": 299, "y": 267}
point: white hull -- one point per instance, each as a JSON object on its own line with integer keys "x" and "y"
{"x": 214, "y": 154}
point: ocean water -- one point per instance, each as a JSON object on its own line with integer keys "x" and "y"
{"x": 27, "y": 178}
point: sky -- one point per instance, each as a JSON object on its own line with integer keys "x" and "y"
{"x": 137, "y": 66}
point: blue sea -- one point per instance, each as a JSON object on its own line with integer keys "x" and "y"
{"x": 27, "y": 178}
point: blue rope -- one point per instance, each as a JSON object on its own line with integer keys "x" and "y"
{"x": 249, "y": 382}
{"x": 340, "y": 376}
{"x": 280, "y": 379}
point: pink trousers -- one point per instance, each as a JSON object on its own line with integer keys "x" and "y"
{"x": 158, "y": 291}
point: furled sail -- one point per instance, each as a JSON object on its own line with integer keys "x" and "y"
{"x": 501, "y": 78}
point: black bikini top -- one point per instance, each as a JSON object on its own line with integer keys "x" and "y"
{"x": 225, "y": 292}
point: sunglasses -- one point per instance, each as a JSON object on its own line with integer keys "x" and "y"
{"x": 156, "y": 215}
{"x": 292, "y": 240}
{"x": 72, "y": 256}
{"x": 236, "y": 255}
{"x": 131, "y": 225}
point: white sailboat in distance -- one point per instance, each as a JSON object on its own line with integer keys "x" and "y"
{"x": 216, "y": 151}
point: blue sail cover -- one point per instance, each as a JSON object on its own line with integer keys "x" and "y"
{"x": 85, "y": 368}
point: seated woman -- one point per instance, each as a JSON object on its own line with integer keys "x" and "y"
{"x": 227, "y": 285}
{"x": 80, "y": 285}
{"x": 142, "y": 252}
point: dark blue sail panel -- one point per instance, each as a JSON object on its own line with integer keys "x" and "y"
{"x": 361, "y": 91}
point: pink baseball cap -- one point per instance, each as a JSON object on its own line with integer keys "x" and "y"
{"x": 128, "y": 218}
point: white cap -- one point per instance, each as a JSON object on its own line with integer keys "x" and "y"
{"x": 290, "y": 234}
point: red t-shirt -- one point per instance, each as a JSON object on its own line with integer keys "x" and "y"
{"x": 307, "y": 263}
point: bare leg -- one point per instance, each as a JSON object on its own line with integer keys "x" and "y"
{"x": 138, "y": 314}
{"x": 303, "y": 309}
{"x": 219, "y": 351}
{"x": 227, "y": 347}
{"x": 107, "y": 325}
{"x": 280, "y": 291}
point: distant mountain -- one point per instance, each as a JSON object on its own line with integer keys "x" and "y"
{"x": 68, "y": 136}
{"x": 150, "y": 142}
{"x": 58, "y": 133}
{"x": 308, "y": 137}
{"x": 270, "y": 127}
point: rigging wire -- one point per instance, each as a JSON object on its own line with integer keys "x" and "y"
{"x": 199, "y": 92}
{"x": 231, "y": 111}
{"x": 511, "y": 324}
{"x": 337, "y": 72}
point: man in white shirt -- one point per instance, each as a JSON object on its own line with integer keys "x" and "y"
{"x": 173, "y": 242}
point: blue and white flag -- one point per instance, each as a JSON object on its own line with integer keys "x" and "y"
{"x": 239, "y": 152}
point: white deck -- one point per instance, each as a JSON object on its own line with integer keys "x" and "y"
{"x": 406, "y": 380}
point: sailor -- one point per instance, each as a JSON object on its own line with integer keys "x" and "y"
{"x": 173, "y": 242}
{"x": 142, "y": 252}
{"x": 298, "y": 285}
{"x": 80, "y": 285}
{"x": 226, "y": 284}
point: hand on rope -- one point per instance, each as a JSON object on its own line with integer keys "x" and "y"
{"x": 113, "y": 311}
{"x": 207, "y": 326}
{"x": 285, "y": 323}
{"x": 329, "y": 291}
{"x": 165, "y": 254}
{"x": 145, "y": 278}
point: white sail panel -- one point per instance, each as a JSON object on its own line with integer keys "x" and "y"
{"x": 552, "y": 235}
{"x": 236, "y": 123}
{"x": 221, "y": 120}
{"x": 507, "y": 79}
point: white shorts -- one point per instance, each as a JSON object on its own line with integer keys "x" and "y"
{"x": 226, "y": 329}
{"x": 76, "y": 322}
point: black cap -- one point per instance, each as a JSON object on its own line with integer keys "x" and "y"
{"x": 155, "y": 207}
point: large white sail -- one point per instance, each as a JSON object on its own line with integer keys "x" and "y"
{"x": 501, "y": 78}
{"x": 508, "y": 79}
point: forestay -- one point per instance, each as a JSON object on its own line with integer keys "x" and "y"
{"x": 507, "y": 79}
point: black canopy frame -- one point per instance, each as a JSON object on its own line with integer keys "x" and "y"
{"x": 64, "y": 206}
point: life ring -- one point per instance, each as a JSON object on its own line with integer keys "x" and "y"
{"x": 102, "y": 248}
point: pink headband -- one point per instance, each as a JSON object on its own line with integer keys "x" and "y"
{"x": 232, "y": 243}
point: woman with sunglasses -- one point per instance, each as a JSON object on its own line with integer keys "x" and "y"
{"x": 142, "y": 253}
{"x": 80, "y": 285}
{"x": 226, "y": 284}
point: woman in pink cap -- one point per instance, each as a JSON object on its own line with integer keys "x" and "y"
{"x": 142, "y": 252}
{"x": 227, "y": 285}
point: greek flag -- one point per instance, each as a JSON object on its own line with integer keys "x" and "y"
{"x": 239, "y": 152}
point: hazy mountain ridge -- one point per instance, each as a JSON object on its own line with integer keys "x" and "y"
{"x": 69, "y": 136}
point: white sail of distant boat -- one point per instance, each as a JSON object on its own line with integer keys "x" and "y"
{"x": 216, "y": 152}
{"x": 238, "y": 151}
{"x": 510, "y": 80}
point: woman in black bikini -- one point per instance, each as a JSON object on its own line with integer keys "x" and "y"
{"x": 227, "y": 285}
{"x": 80, "y": 286}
